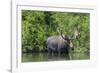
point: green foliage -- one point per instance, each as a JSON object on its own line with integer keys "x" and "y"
{"x": 37, "y": 26}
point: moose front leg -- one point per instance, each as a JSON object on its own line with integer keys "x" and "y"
{"x": 70, "y": 53}
{"x": 49, "y": 52}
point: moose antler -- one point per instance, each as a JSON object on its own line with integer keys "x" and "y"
{"x": 62, "y": 35}
{"x": 76, "y": 33}
{"x": 60, "y": 32}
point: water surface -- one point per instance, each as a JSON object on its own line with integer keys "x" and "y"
{"x": 39, "y": 57}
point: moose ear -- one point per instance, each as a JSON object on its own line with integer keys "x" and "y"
{"x": 63, "y": 35}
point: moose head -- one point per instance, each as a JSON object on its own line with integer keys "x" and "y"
{"x": 69, "y": 39}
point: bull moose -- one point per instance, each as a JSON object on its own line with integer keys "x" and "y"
{"x": 61, "y": 44}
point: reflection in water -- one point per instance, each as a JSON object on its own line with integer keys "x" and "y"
{"x": 37, "y": 57}
{"x": 58, "y": 57}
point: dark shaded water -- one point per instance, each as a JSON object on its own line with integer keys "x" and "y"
{"x": 37, "y": 57}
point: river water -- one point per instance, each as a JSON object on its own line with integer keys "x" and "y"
{"x": 40, "y": 57}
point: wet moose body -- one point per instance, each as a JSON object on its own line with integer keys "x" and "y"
{"x": 58, "y": 44}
